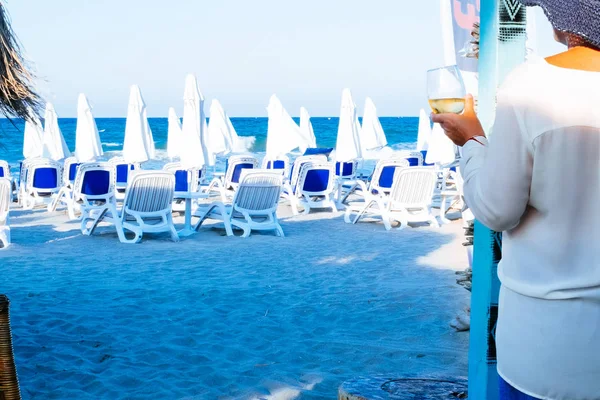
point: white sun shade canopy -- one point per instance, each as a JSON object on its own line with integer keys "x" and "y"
{"x": 441, "y": 148}
{"x": 173, "y": 134}
{"x": 222, "y": 137}
{"x": 32, "y": 138}
{"x": 87, "y": 140}
{"x": 372, "y": 135}
{"x": 424, "y": 134}
{"x": 194, "y": 125}
{"x": 220, "y": 126}
{"x": 348, "y": 146}
{"x": 54, "y": 145}
{"x": 139, "y": 143}
{"x": 308, "y": 134}
{"x": 283, "y": 135}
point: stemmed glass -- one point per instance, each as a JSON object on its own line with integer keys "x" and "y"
{"x": 446, "y": 90}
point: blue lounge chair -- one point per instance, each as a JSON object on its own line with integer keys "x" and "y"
{"x": 314, "y": 188}
{"x": 227, "y": 185}
{"x": 43, "y": 182}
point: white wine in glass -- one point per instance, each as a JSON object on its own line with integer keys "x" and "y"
{"x": 446, "y": 90}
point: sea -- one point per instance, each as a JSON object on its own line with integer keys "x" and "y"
{"x": 401, "y": 133}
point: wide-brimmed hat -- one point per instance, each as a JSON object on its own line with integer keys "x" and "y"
{"x": 581, "y": 17}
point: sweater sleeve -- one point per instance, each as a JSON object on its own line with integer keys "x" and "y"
{"x": 497, "y": 174}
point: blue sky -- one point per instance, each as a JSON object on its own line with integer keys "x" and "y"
{"x": 242, "y": 51}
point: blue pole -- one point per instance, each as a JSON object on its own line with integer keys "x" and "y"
{"x": 502, "y": 47}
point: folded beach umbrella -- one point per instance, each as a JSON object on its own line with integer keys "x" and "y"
{"x": 54, "y": 145}
{"x": 32, "y": 138}
{"x": 194, "y": 124}
{"x": 308, "y": 134}
{"x": 173, "y": 134}
{"x": 87, "y": 140}
{"x": 372, "y": 135}
{"x": 424, "y": 133}
{"x": 139, "y": 144}
{"x": 441, "y": 148}
{"x": 283, "y": 135}
{"x": 221, "y": 133}
{"x": 348, "y": 145}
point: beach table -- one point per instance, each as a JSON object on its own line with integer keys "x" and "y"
{"x": 188, "y": 197}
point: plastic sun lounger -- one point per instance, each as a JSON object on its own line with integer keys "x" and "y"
{"x": 5, "y": 198}
{"x": 227, "y": 186}
{"x": 451, "y": 193}
{"x": 409, "y": 200}
{"x": 186, "y": 181}
{"x": 296, "y": 167}
{"x": 254, "y": 205}
{"x": 65, "y": 194}
{"x": 146, "y": 207}
{"x": 5, "y": 173}
{"x": 381, "y": 181}
{"x": 123, "y": 170}
{"x": 281, "y": 163}
{"x": 93, "y": 192}
{"x": 315, "y": 188}
{"x": 43, "y": 182}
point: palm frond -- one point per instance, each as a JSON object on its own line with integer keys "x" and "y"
{"x": 18, "y": 97}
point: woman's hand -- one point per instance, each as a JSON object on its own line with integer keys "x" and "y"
{"x": 460, "y": 127}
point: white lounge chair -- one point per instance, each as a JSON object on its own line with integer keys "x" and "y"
{"x": 254, "y": 205}
{"x": 414, "y": 158}
{"x": 4, "y": 170}
{"x": 451, "y": 194}
{"x": 93, "y": 192}
{"x": 296, "y": 167}
{"x": 5, "y": 173}
{"x": 315, "y": 187}
{"x": 228, "y": 184}
{"x": 381, "y": 182}
{"x": 409, "y": 200}
{"x": 346, "y": 173}
{"x": 281, "y": 164}
{"x": 65, "y": 194}
{"x": 146, "y": 207}
{"x": 186, "y": 181}
{"x": 43, "y": 179}
{"x": 5, "y": 198}
{"x": 123, "y": 170}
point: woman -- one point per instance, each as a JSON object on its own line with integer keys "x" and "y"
{"x": 538, "y": 180}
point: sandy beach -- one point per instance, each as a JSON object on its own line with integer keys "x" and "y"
{"x": 230, "y": 318}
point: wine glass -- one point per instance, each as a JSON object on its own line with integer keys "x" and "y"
{"x": 446, "y": 90}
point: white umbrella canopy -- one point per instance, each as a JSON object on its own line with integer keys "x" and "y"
{"x": 194, "y": 123}
{"x": 308, "y": 133}
{"x": 221, "y": 129}
{"x": 32, "y": 138}
{"x": 54, "y": 145}
{"x": 424, "y": 134}
{"x": 173, "y": 134}
{"x": 283, "y": 135}
{"x": 219, "y": 139}
{"x": 441, "y": 148}
{"x": 221, "y": 135}
{"x": 138, "y": 145}
{"x": 348, "y": 146}
{"x": 372, "y": 135}
{"x": 87, "y": 140}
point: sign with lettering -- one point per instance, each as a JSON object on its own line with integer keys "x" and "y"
{"x": 465, "y": 13}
